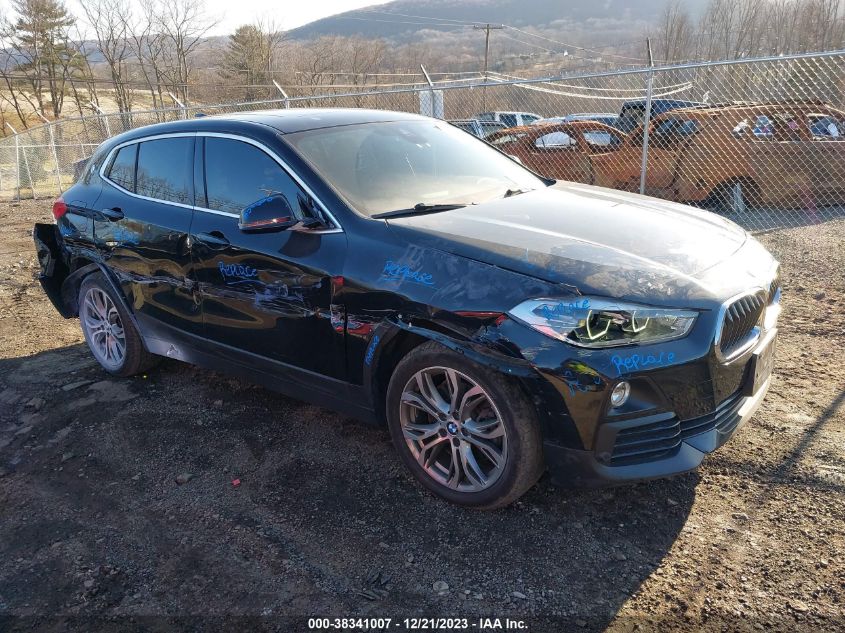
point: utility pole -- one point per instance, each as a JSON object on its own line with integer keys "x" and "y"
{"x": 486, "y": 28}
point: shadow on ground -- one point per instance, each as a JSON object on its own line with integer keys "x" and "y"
{"x": 323, "y": 522}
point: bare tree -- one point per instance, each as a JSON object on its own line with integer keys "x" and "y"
{"x": 107, "y": 18}
{"x": 147, "y": 46}
{"x": 182, "y": 24}
{"x": 674, "y": 32}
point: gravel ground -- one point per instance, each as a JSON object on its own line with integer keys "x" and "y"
{"x": 286, "y": 509}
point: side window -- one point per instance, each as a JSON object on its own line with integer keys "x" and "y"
{"x": 506, "y": 139}
{"x": 555, "y": 140}
{"x": 825, "y": 128}
{"x": 670, "y": 132}
{"x": 238, "y": 174}
{"x": 489, "y": 128}
{"x": 122, "y": 169}
{"x": 508, "y": 119}
{"x": 165, "y": 169}
{"x": 602, "y": 139}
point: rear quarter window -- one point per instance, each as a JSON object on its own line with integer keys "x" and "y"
{"x": 165, "y": 169}
{"x": 122, "y": 169}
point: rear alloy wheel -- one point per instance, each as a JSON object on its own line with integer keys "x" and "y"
{"x": 466, "y": 432}
{"x": 109, "y": 331}
{"x": 103, "y": 329}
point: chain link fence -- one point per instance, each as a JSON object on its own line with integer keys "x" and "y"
{"x": 762, "y": 140}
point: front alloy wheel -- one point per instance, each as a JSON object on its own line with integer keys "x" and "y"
{"x": 453, "y": 429}
{"x": 467, "y": 432}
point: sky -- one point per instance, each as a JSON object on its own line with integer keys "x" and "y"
{"x": 288, "y": 14}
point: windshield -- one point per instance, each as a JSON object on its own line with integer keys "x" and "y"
{"x": 381, "y": 167}
{"x": 630, "y": 117}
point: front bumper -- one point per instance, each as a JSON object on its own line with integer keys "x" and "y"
{"x": 685, "y": 447}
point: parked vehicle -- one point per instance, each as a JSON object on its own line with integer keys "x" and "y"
{"x": 608, "y": 118}
{"x": 632, "y": 113}
{"x": 771, "y": 155}
{"x": 480, "y": 129}
{"x": 559, "y": 150}
{"x": 510, "y": 119}
{"x": 397, "y": 269}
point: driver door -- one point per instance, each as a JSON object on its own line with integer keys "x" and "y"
{"x": 266, "y": 293}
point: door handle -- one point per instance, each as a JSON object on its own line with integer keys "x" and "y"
{"x": 215, "y": 240}
{"x": 115, "y": 213}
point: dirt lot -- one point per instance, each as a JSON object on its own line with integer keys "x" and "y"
{"x": 96, "y": 533}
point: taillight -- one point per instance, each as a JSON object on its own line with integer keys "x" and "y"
{"x": 59, "y": 208}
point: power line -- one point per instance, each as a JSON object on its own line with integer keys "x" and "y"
{"x": 423, "y": 17}
{"x": 580, "y": 48}
{"x": 344, "y": 17}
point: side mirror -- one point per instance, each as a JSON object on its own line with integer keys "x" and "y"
{"x": 272, "y": 213}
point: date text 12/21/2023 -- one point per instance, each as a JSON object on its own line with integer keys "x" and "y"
{"x": 483, "y": 625}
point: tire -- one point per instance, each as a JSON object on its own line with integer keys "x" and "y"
{"x": 109, "y": 330}
{"x": 494, "y": 436}
{"x": 721, "y": 199}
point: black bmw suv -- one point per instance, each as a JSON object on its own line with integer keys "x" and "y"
{"x": 398, "y": 270}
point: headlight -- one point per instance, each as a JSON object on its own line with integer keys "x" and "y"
{"x": 597, "y": 322}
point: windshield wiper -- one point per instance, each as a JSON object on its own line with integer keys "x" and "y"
{"x": 420, "y": 207}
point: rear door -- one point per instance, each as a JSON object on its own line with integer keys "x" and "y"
{"x": 778, "y": 146}
{"x": 141, "y": 225}
{"x": 269, "y": 294}
{"x": 668, "y": 139}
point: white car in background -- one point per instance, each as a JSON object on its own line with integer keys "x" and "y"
{"x": 510, "y": 119}
{"x": 608, "y": 118}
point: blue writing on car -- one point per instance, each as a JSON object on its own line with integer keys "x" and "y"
{"x": 635, "y": 362}
{"x": 574, "y": 382}
{"x": 237, "y": 273}
{"x": 122, "y": 234}
{"x": 562, "y": 308}
{"x": 371, "y": 350}
{"x": 401, "y": 272}
{"x": 245, "y": 213}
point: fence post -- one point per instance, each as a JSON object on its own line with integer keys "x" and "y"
{"x": 647, "y": 119}
{"x": 18, "y": 150}
{"x": 17, "y": 161}
{"x": 284, "y": 94}
{"x": 55, "y": 153}
{"x": 103, "y": 116}
{"x": 180, "y": 104}
{"x": 430, "y": 90}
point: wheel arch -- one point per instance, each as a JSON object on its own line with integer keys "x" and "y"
{"x": 750, "y": 188}
{"x": 73, "y": 282}
{"x": 392, "y": 340}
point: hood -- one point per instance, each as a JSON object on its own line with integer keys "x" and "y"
{"x": 599, "y": 241}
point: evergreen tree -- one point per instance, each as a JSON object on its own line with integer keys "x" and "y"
{"x": 40, "y": 39}
{"x": 247, "y": 58}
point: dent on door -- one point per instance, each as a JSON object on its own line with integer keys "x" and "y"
{"x": 271, "y": 294}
